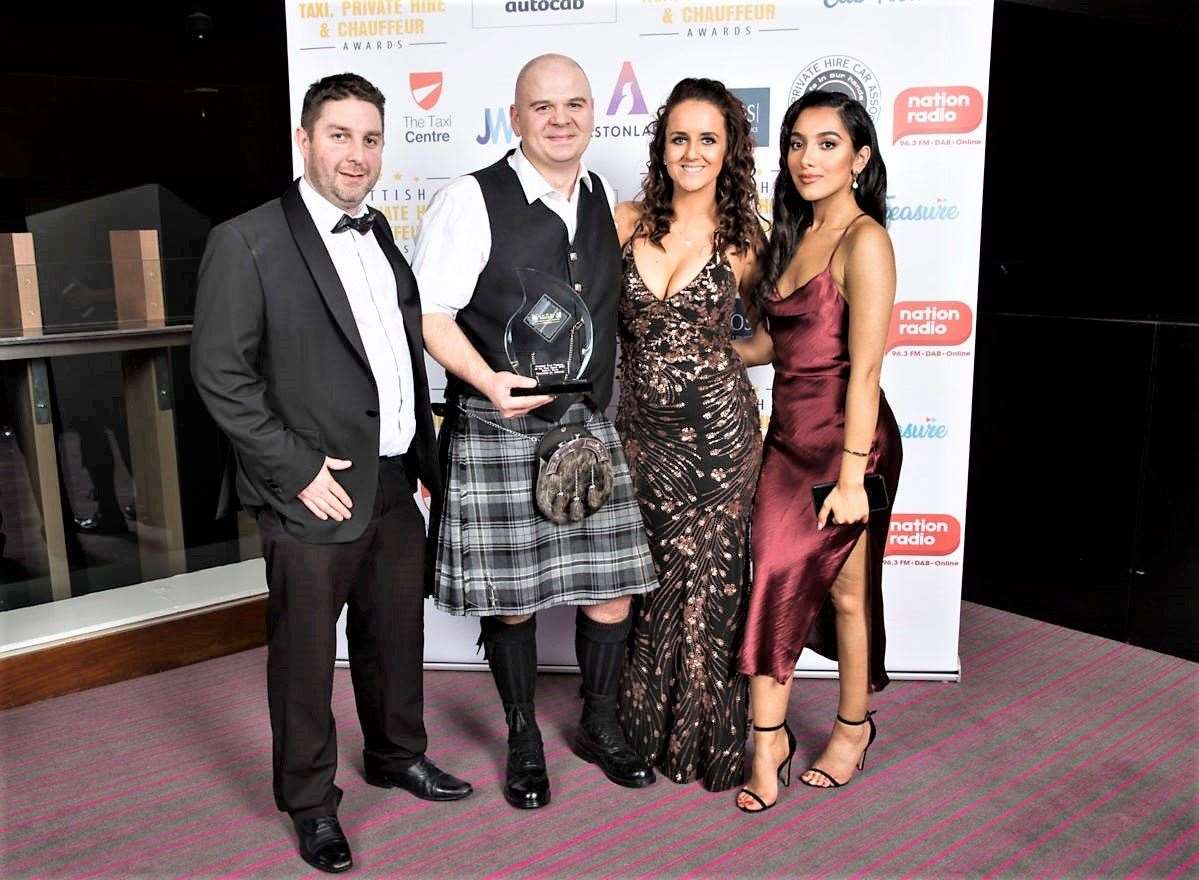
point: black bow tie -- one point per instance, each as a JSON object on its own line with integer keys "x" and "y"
{"x": 361, "y": 225}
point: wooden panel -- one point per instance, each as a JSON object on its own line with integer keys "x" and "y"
{"x": 109, "y": 658}
{"x": 154, "y": 465}
{"x": 137, "y": 275}
{"x": 20, "y": 307}
{"x": 137, "y": 280}
{"x": 36, "y": 436}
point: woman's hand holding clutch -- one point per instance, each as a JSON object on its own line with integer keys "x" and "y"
{"x": 844, "y": 505}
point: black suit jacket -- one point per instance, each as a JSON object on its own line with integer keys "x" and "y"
{"x": 279, "y": 362}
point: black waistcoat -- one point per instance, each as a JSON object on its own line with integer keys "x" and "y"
{"x": 532, "y": 236}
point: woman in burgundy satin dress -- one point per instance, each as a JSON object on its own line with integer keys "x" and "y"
{"x": 828, "y": 285}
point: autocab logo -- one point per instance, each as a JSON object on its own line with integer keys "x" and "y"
{"x": 840, "y": 73}
{"x": 426, "y": 128}
{"x": 757, "y": 108}
{"x": 923, "y": 534}
{"x": 929, "y": 115}
{"x": 627, "y": 101}
{"x": 534, "y": 13}
{"x": 929, "y": 323}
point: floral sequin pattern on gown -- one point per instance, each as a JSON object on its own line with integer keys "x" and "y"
{"x": 689, "y": 420}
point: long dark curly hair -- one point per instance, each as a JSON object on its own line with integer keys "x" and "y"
{"x": 793, "y": 214}
{"x": 739, "y": 225}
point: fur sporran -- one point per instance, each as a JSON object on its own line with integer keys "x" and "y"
{"x": 574, "y": 478}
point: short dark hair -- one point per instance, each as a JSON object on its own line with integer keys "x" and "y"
{"x": 337, "y": 87}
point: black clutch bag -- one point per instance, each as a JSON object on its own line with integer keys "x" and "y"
{"x": 876, "y": 493}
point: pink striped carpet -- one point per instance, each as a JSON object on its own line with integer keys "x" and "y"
{"x": 1059, "y": 755}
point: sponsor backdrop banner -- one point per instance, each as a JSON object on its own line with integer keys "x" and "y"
{"x": 920, "y": 67}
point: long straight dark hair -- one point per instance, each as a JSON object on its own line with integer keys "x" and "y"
{"x": 792, "y": 213}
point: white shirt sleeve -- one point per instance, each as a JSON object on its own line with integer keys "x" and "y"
{"x": 452, "y": 248}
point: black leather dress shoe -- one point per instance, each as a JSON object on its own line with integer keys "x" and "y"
{"x": 109, "y": 524}
{"x": 605, "y": 746}
{"x": 423, "y": 779}
{"x": 323, "y": 845}
{"x": 526, "y": 784}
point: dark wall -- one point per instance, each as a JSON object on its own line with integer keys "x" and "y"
{"x": 1084, "y": 497}
{"x": 96, "y": 98}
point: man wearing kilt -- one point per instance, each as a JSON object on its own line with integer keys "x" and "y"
{"x": 498, "y": 557}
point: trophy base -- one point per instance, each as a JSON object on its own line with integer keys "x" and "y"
{"x": 553, "y": 388}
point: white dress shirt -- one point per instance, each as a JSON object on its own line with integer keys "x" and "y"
{"x": 455, "y": 236}
{"x": 370, "y": 286}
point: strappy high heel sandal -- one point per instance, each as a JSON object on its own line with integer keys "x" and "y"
{"x": 786, "y": 763}
{"x": 833, "y": 783}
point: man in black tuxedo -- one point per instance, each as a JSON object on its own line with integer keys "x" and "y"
{"x": 307, "y": 351}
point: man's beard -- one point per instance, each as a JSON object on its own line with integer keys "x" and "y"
{"x": 350, "y": 197}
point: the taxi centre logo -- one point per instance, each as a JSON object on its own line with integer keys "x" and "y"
{"x": 427, "y": 128}
{"x": 533, "y": 13}
{"x": 840, "y": 73}
{"x": 426, "y": 88}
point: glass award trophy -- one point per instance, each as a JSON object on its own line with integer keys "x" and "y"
{"x": 551, "y": 336}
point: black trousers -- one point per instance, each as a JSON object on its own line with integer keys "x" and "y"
{"x": 380, "y": 576}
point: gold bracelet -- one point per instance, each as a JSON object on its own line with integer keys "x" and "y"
{"x": 854, "y": 452}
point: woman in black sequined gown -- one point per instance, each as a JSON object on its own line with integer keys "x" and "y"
{"x": 689, "y": 420}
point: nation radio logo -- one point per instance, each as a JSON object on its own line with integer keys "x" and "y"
{"x": 929, "y": 322}
{"x": 923, "y": 112}
{"x": 923, "y": 534}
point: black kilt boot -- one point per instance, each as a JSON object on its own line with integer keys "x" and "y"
{"x": 512, "y": 654}
{"x": 600, "y": 649}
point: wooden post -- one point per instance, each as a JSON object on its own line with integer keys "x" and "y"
{"x": 20, "y": 307}
{"x": 137, "y": 275}
{"x": 21, "y": 310}
{"x": 149, "y": 403}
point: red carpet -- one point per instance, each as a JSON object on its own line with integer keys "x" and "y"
{"x": 1059, "y": 755}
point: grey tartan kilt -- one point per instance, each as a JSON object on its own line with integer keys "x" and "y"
{"x": 496, "y": 553}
